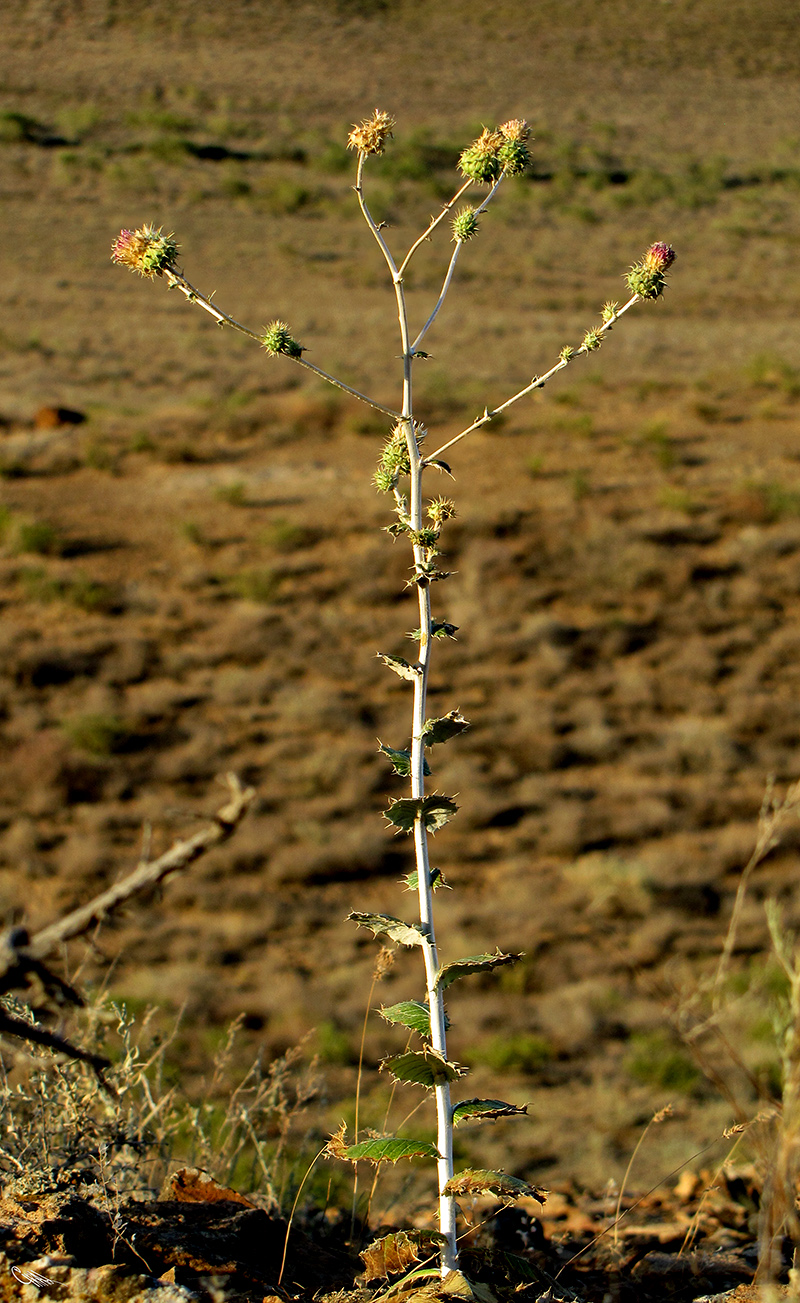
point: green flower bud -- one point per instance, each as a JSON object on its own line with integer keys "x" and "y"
{"x": 383, "y": 480}
{"x": 276, "y": 340}
{"x": 591, "y": 340}
{"x": 567, "y": 353}
{"x": 609, "y": 312}
{"x": 465, "y": 224}
{"x": 514, "y": 154}
{"x": 441, "y": 509}
{"x": 481, "y": 160}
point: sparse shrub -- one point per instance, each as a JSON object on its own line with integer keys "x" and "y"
{"x": 520, "y": 1052}
{"x": 657, "y": 1059}
{"x": 39, "y": 537}
{"x": 100, "y": 735}
{"x": 655, "y": 436}
{"x": 286, "y": 536}
{"x": 234, "y": 493}
{"x": 257, "y": 585}
{"x": 496, "y": 155}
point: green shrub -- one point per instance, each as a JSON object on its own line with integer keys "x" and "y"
{"x": 521, "y": 1052}
{"x": 657, "y": 1059}
{"x": 100, "y": 735}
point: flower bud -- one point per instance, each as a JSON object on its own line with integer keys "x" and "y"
{"x": 145, "y": 250}
{"x": 609, "y": 312}
{"x": 276, "y": 340}
{"x": 591, "y": 340}
{"x": 514, "y": 153}
{"x": 370, "y": 136}
{"x": 647, "y": 278}
{"x": 465, "y": 224}
{"x": 481, "y": 160}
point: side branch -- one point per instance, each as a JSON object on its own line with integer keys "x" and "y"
{"x": 448, "y": 207}
{"x": 452, "y": 266}
{"x": 370, "y": 220}
{"x": 538, "y": 382}
{"x": 179, "y": 282}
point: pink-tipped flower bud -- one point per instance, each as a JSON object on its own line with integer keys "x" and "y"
{"x": 660, "y": 256}
{"x": 145, "y": 250}
{"x": 647, "y": 278}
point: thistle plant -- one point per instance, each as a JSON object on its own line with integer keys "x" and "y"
{"x": 485, "y": 164}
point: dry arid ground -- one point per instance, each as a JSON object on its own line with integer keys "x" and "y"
{"x": 193, "y": 578}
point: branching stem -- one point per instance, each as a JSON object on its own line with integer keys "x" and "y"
{"x": 538, "y": 382}
{"x": 179, "y": 282}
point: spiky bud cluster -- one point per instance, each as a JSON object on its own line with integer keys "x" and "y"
{"x": 481, "y": 160}
{"x": 648, "y": 277}
{"x": 609, "y": 312}
{"x": 370, "y": 136}
{"x": 465, "y": 224}
{"x": 441, "y": 509}
{"x": 276, "y": 339}
{"x": 145, "y": 250}
{"x": 567, "y": 353}
{"x": 514, "y": 152}
{"x": 394, "y": 460}
{"x": 591, "y": 340}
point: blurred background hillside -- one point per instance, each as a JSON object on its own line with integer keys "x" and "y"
{"x": 192, "y": 573}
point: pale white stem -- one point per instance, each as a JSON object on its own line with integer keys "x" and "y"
{"x": 447, "y": 1209}
{"x": 434, "y": 223}
{"x": 445, "y": 287}
{"x": 538, "y": 382}
{"x": 452, "y": 265}
{"x": 179, "y": 282}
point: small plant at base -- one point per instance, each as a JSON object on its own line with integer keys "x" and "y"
{"x": 495, "y": 155}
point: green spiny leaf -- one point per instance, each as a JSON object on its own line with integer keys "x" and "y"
{"x": 450, "y": 973}
{"x": 485, "y": 1110}
{"x": 409, "y": 1013}
{"x": 441, "y": 629}
{"x": 422, "y": 1068}
{"x": 437, "y": 880}
{"x": 401, "y": 761}
{"x": 389, "y": 1149}
{"x": 441, "y": 730}
{"x": 435, "y": 811}
{"x": 476, "y": 1181}
{"x": 400, "y": 666}
{"x": 405, "y": 934}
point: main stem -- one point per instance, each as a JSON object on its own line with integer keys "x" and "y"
{"x": 444, "y": 1112}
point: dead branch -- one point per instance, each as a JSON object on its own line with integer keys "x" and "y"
{"x": 22, "y": 956}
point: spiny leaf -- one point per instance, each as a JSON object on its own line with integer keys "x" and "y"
{"x": 401, "y": 761}
{"x": 450, "y": 973}
{"x": 389, "y": 1149}
{"x": 479, "y": 1181}
{"x": 422, "y": 1068}
{"x": 400, "y": 666}
{"x": 455, "y": 1285}
{"x": 483, "y": 1110}
{"x": 397, "y": 1251}
{"x": 442, "y": 629}
{"x": 405, "y": 934}
{"x": 440, "y": 730}
{"x": 435, "y": 812}
{"x": 409, "y": 1013}
{"x": 437, "y": 880}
